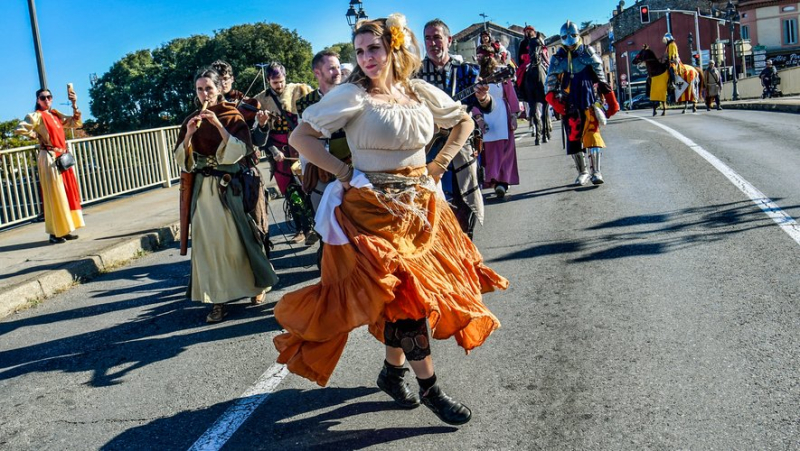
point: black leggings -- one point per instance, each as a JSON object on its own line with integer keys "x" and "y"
{"x": 411, "y": 336}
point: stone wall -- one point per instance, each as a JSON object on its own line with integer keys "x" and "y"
{"x": 750, "y": 87}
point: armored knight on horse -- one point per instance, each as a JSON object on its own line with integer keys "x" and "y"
{"x": 670, "y": 75}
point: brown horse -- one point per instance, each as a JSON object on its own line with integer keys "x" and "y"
{"x": 658, "y": 81}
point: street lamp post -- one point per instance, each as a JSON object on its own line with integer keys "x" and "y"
{"x": 630, "y": 79}
{"x": 732, "y": 15}
{"x": 690, "y": 40}
{"x": 355, "y": 13}
{"x": 37, "y": 46}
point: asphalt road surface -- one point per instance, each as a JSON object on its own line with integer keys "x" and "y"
{"x": 657, "y": 311}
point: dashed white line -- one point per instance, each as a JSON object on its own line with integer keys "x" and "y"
{"x": 784, "y": 221}
{"x": 223, "y": 429}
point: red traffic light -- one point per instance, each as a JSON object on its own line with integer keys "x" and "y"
{"x": 644, "y": 14}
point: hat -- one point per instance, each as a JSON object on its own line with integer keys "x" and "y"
{"x": 668, "y": 37}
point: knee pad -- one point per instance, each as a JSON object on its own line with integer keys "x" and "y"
{"x": 409, "y": 335}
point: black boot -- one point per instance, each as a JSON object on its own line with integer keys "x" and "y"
{"x": 446, "y": 408}
{"x": 390, "y": 380}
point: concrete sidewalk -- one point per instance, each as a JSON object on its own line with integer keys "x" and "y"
{"x": 32, "y": 269}
{"x": 789, "y": 104}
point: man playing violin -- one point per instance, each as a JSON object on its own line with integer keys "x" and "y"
{"x": 249, "y": 107}
{"x": 450, "y": 74}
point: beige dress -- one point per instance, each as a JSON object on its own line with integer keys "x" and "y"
{"x": 221, "y": 270}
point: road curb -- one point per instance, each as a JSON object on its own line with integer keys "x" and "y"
{"x": 777, "y": 107}
{"x": 22, "y": 295}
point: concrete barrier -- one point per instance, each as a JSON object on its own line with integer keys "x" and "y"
{"x": 750, "y": 88}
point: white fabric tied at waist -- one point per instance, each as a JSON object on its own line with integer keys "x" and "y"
{"x": 326, "y": 224}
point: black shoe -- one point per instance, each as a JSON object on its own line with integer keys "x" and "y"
{"x": 545, "y": 139}
{"x": 70, "y": 237}
{"x": 390, "y": 380}
{"x": 446, "y": 408}
{"x": 56, "y": 240}
{"x": 536, "y": 142}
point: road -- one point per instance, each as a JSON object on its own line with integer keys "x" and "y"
{"x": 657, "y": 311}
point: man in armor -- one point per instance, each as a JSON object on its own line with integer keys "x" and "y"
{"x": 452, "y": 75}
{"x": 574, "y": 71}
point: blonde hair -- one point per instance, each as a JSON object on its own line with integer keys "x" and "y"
{"x": 405, "y": 60}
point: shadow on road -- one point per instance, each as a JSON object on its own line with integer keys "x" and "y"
{"x": 275, "y": 424}
{"x": 664, "y": 232}
{"x": 167, "y": 325}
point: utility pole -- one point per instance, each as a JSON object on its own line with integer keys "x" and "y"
{"x": 37, "y": 45}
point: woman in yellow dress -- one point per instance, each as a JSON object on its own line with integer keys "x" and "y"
{"x": 395, "y": 258}
{"x": 61, "y": 197}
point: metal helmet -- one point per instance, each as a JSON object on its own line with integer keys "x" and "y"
{"x": 570, "y": 35}
{"x": 668, "y": 37}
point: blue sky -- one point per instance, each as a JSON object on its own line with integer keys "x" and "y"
{"x": 81, "y": 37}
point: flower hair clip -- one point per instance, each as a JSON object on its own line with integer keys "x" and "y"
{"x": 396, "y": 23}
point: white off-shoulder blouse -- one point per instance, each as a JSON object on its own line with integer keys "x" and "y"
{"x": 384, "y": 136}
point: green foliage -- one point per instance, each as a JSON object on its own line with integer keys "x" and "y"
{"x": 346, "y": 51}
{"x": 586, "y": 24}
{"x": 8, "y": 140}
{"x": 147, "y": 89}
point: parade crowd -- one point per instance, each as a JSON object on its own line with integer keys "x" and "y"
{"x": 382, "y": 166}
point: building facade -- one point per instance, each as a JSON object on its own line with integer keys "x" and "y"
{"x": 466, "y": 41}
{"x": 772, "y": 25}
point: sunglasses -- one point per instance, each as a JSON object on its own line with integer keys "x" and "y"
{"x": 45, "y": 97}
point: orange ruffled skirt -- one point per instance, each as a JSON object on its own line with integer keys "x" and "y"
{"x": 395, "y": 267}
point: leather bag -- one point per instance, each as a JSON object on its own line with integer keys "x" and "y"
{"x": 65, "y": 161}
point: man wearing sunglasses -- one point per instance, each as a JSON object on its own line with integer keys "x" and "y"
{"x": 60, "y": 195}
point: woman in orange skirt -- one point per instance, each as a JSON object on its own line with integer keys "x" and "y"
{"x": 395, "y": 257}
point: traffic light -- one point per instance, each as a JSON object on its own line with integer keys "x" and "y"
{"x": 696, "y": 57}
{"x": 644, "y": 12}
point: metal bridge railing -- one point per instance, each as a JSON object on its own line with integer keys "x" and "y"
{"x": 106, "y": 167}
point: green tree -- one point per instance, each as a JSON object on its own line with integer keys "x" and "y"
{"x": 586, "y": 24}
{"x": 8, "y": 140}
{"x": 126, "y": 97}
{"x": 346, "y": 51}
{"x": 155, "y": 88}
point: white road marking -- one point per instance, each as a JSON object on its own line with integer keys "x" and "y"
{"x": 784, "y": 221}
{"x": 223, "y": 429}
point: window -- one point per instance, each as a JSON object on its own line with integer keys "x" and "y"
{"x": 790, "y": 31}
{"x": 788, "y": 9}
{"x": 745, "y": 32}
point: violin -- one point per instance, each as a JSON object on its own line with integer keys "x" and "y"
{"x": 248, "y": 108}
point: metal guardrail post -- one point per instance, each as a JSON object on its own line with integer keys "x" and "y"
{"x": 163, "y": 158}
